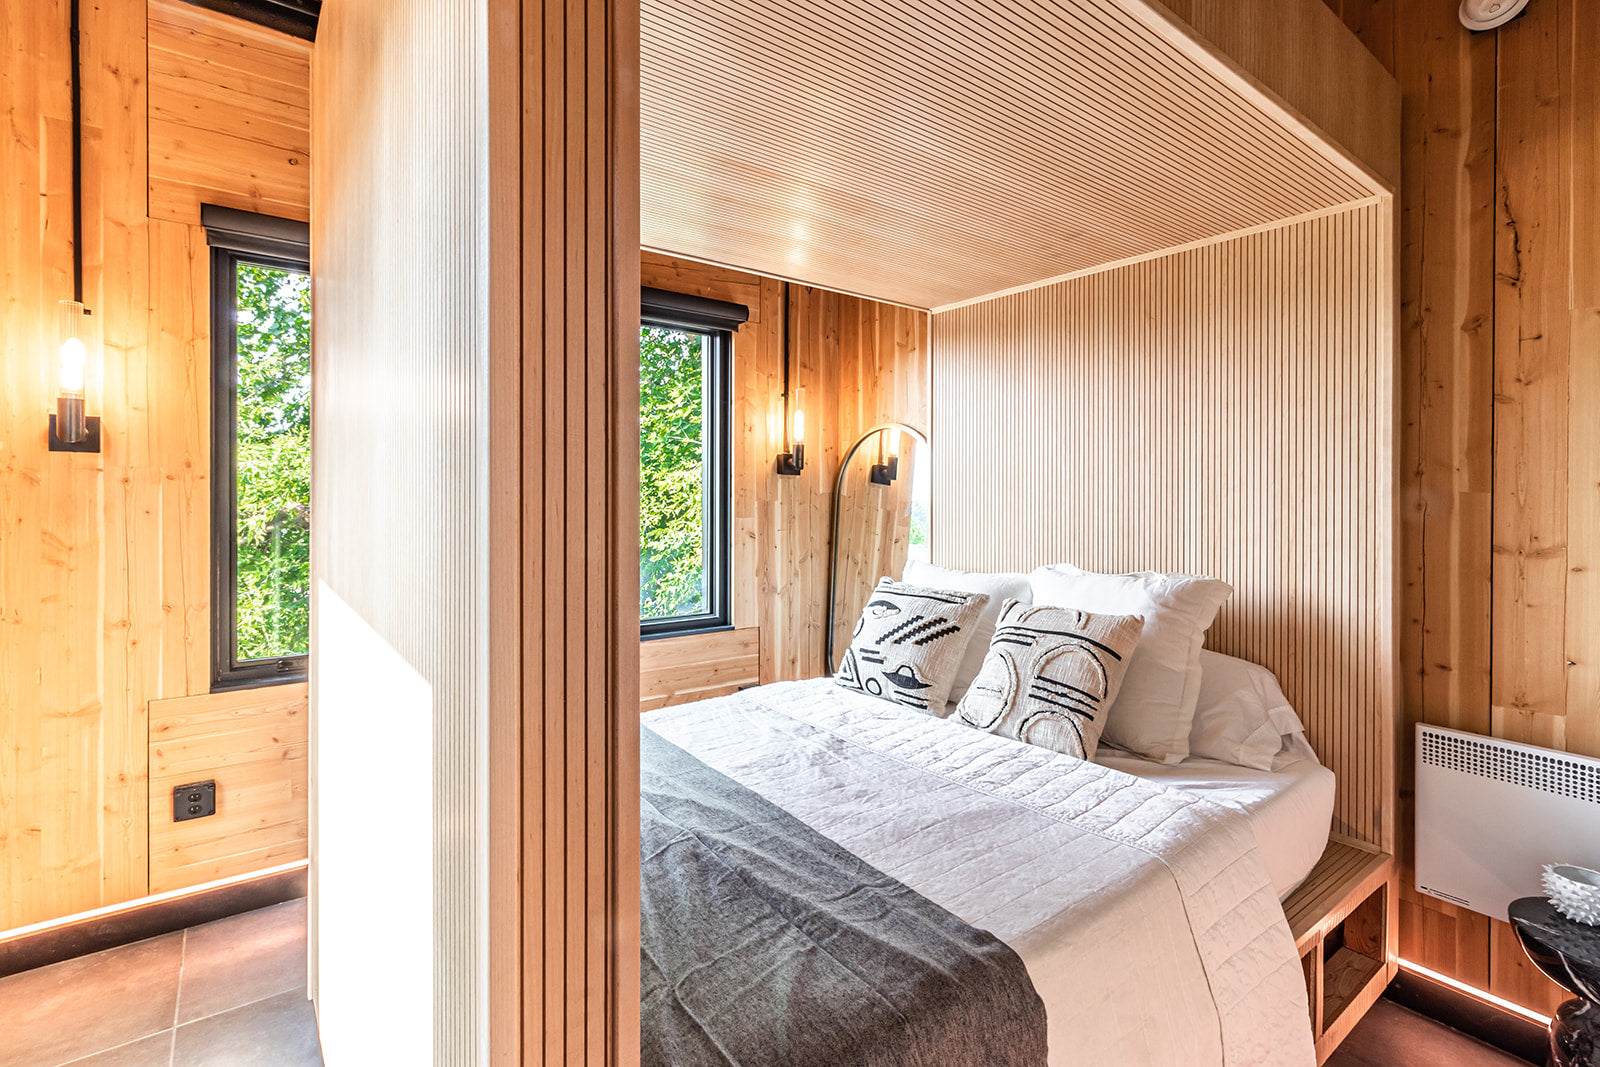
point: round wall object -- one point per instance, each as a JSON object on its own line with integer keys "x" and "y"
{"x": 1478, "y": 15}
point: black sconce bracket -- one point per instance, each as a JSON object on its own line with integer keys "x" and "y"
{"x": 90, "y": 442}
{"x": 792, "y": 463}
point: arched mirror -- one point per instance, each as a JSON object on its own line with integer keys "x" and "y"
{"x": 881, "y": 519}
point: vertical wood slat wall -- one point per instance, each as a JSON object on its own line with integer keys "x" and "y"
{"x": 400, "y": 704}
{"x": 579, "y": 417}
{"x": 1224, "y": 411}
{"x": 1500, "y": 491}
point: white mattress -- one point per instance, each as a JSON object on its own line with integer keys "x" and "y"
{"x": 1148, "y": 924}
{"x": 1289, "y": 810}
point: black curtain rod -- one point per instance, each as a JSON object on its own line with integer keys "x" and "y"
{"x": 77, "y": 165}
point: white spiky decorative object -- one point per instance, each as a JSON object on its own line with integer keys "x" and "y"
{"x": 1575, "y": 891}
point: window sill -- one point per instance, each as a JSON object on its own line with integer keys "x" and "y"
{"x": 232, "y": 685}
{"x": 688, "y": 631}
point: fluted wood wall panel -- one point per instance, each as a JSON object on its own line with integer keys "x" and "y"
{"x": 891, "y": 147}
{"x": 1226, "y": 411}
{"x": 477, "y": 561}
{"x": 400, "y": 577}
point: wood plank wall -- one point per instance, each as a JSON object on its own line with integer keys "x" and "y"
{"x": 476, "y": 555}
{"x": 104, "y": 564}
{"x": 254, "y": 743}
{"x": 1500, "y": 325}
{"x": 862, "y": 363}
{"x": 1223, "y": 411}
{"x": 230, "y": 115}
{"x": 1296, "y": 51}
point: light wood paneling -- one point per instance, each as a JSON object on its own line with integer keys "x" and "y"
{"x": 255, "y": 744}
{"x": 1223, "y": 411}
{"x": 873, "y": 533}
{"x": 862, "y": 363}
{"x": 925, "y": 155}
{"x": 677, "y": 670}
{"x": 105, "y": 563}
{"x": 1500, "y": 493}
{"x": 230, "y": 115}
{"x": 506, "y": 300}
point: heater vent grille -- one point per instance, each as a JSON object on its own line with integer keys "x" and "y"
{"x": 1574, "y": 778}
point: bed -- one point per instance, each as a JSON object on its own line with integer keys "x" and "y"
{"x": 1142, "y": 899}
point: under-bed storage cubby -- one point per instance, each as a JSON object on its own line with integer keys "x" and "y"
{"x": 1343, "y": 921}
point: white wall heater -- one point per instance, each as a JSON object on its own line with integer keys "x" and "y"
{"x": 1490, "y": 814}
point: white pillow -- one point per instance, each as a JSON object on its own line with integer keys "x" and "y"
{"x": 1242, "y": 716}
{"x": 1050, "y": 676}
{"x": 999, "y": 587}
{"x": 1155, "y": 707}
{"x": 908, "y": 644}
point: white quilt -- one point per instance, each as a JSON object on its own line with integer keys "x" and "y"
{"x": 1144, "y": 915}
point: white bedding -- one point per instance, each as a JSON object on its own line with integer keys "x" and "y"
{"x": 1289, "y": 810}
{"x": 1145, "y": 916}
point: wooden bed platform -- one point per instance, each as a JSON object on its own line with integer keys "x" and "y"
{"x": 1343, "y": 921}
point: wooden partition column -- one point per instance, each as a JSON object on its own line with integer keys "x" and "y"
{"x": 475, "y": 253}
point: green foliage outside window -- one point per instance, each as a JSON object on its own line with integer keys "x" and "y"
{"x": 274, "y": 462}
{"x": 672, "y": 571}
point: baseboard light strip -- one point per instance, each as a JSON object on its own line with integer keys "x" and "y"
{"x": 1473, "y": 991}
{"x": 142, "y": 902}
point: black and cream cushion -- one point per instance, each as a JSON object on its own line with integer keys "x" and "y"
{"x": 908, "y": 644}
{"x": 1051, "y": 675}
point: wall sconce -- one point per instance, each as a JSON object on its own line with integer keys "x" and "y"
{"x": 792, "y": 460}
{"x": 887, "y": 469}
{"x": 71, "y": 430}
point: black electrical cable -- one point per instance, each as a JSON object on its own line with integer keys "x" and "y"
{"x": 77, "y": 165}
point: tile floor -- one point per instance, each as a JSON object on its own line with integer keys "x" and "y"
{"x": 1393, "y": 1036}
{"x": 227, "y": 994}
{"x": 233, "y": 994}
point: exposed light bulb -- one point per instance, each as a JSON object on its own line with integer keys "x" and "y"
{"x": 799, "y": 416}
{"x": 73, "y": 359}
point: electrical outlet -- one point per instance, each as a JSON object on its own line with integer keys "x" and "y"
{"x": 194, "y": 801}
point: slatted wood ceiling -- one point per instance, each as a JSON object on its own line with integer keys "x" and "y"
{"x": 1224, "y": 411}
{"x": 927, "y": 154}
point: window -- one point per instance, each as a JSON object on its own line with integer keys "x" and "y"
{"x": 260, "y": 448}
{"x": 685, "y": 367}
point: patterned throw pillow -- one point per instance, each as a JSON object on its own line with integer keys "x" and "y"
{"x": 908, "y": 644}
{"x": 1051, "y": 675}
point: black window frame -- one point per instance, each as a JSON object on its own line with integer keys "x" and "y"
{"x": 238, "y": 237}
{"x": 719, "y": 320}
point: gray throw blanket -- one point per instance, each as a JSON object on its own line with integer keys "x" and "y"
{"x": 766, "y": 943}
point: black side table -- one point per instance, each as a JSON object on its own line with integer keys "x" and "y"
{"x": 1569, "y": 954}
